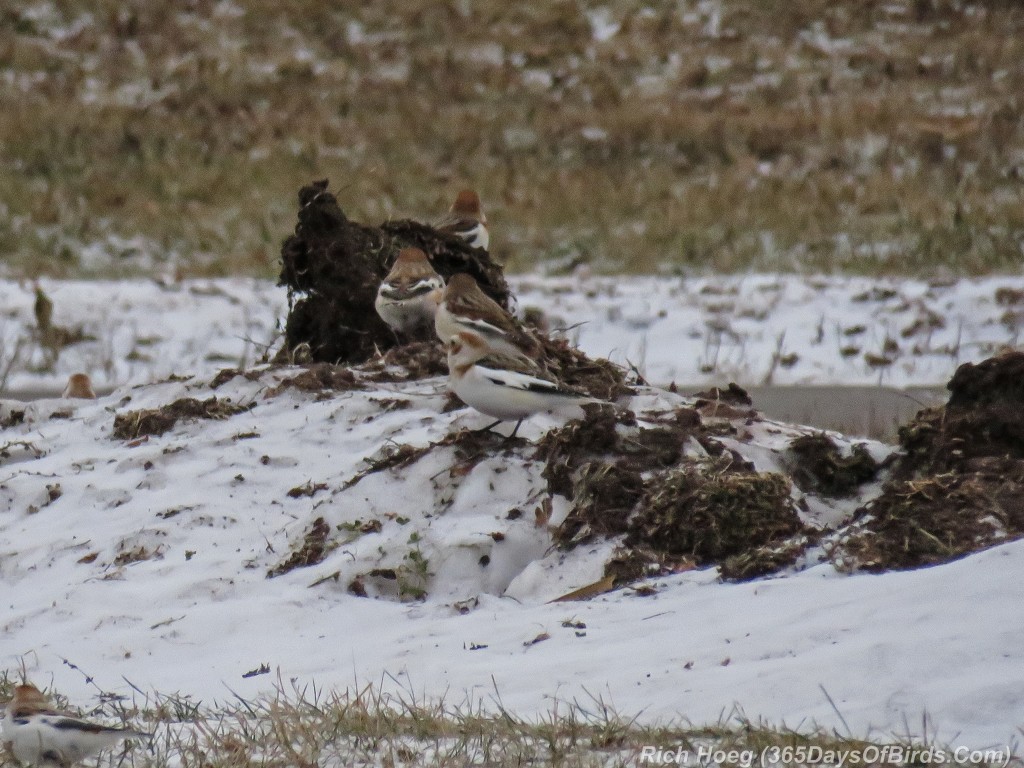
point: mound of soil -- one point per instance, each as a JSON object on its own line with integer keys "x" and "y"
{"x": 712, "y": 512}
{"x": 332, "y": 268}
{"x": 622, "y": 478}
{"x": 959, "y": 485}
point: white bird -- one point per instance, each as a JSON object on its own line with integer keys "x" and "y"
{"x": 466, "y": 219}
{"x": 501, "y": 386}
{"x": 407, "y": 298}
{"x": 40, "y": 736}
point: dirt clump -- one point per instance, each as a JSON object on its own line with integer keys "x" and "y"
{"x": 710, "y": 512}
{"x": 332, "y": 268}
{"x": 983, "y": 417}
{"x": 318, "y": 377}
{"x": 733, "y": 402}
{"x": 767, "y": 559}
{"x": 627, "y": 479}
{"x": 596, "y": 377}
{"x": 817, "y": 465}
{"x": 408, "y": 362}
{"x": 227, "y": 374}
{"x": 156, "y": 421}
{"x": 939, "y": 518}
{"x": 313, "y": 550}
{"x": 958, "y": 486}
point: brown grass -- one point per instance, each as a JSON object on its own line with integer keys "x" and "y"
{"x": 310, "y": 726}
{"x": 865, "y": 137}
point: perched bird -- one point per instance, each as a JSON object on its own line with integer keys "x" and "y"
{"x": 464, "y": 307}
{"x": 500, "y": 386}
{"x": 38, "y": 735}
{"x": 408, "y": 297}
{"x": 466, "y": 219}
{"x": 79, "y": 385}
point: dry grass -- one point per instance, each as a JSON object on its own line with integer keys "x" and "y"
{"x": 864, "y": 137}
{"x": 313, "y": 727}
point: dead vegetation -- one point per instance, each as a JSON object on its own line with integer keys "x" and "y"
{"x": 306, "y": 725}
{"x": 155, "y": 421}
{"x": 675, "y": 512}
{"x": 879, "y": 138}
{"x": 312, "y": 550}
{"x": 710, "y": 512}
{"x": 318, "y": 377}
{"x": 959, "y": 485}
{"x": 408, "y": 362}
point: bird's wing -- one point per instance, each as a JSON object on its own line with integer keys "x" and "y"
{"x": 456, "y": 223}
{"x": 74, "y": 724}
{"x": 509, "y": 372}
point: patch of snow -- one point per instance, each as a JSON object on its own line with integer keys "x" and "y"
{"x": 151, "y": 565}
{"x": 696, "y": 331}
{"x": 603, "y": 26}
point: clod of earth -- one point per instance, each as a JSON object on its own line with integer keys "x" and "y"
{"x": 318, "y": 377}
{"x": 625, "y": 479}
{"x": 958, "y": 487}
{"x": 767, "y": 559}
{"x": 818, "y": 465}
{"x": 156, "y": 421}
{"x": 713, "y": 512}
{"x": 332, "y": 268}
{"x": 408, "y": 362}
{"x": 314, "y": 548}
{"x": 227, "y": 374}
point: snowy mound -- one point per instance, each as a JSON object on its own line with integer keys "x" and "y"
{"x": 347, "y": 526}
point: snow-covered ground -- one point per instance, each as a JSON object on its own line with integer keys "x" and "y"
{"x": 146, "y": 560}
{"x": 759, "y": 329}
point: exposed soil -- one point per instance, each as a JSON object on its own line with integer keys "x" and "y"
{"x": 710, "y": 512}
{"x": 817, "y": 465}
{"x": 156, "y": 421}
{"x": 318, "y": 377}
{"x": 959, "y": 485}
{"x": 332, "y": 268}
{"x": 312, "y": 551}
{"x": 676, "y": 512}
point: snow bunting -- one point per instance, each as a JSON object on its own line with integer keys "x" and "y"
{"x": 466, "y": 219}
{"x": 464, "y": 307}
{"x": 79, "y": 385}
{"x": 38, "y": 735}
{"x": 408, "y": 297}
{"x": 501, "y": 386}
